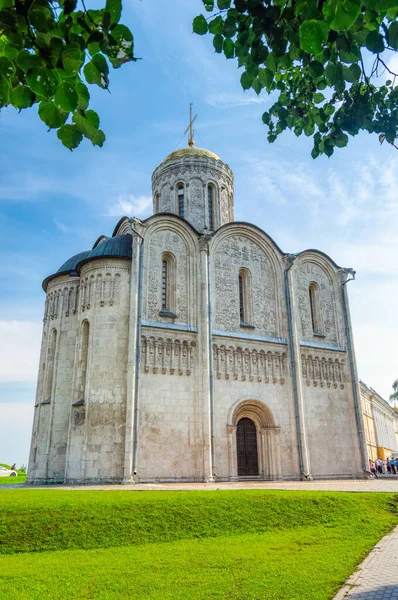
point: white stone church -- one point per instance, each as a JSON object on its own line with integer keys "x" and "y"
{"x": 190, "y": 347}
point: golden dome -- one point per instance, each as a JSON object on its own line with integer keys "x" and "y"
{"x": 191, "y": 151}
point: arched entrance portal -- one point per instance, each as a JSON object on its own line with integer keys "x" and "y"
{"x": 246, "y": 445}
{"x": 253, "y": 441}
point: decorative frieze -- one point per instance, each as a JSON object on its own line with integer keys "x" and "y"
{"x": 244, "y": 364}
{"x": 323, "y": 371}
{"x": 167, "y": 356}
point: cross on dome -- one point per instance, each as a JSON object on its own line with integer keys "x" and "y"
{"x": 191, "y": 142}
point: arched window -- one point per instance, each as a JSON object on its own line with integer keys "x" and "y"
{"x": 210, "y": 205}
{"x": 180, "y": 199}
{"x": 168, "y": 304}
{"x": 245, "y": 298}
{"x": 83, "y": 359}
{"x": 50, "y": 365}
{"x": 315, "y": 307}
{"x": 157, "y": 202}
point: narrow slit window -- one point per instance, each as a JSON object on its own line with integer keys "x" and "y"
{"x": 164, "y": 284}
{"x": 157, "y": 202}
{"x": 245, "y": 298}
{"x": 50, "y": 365}
{"x": 241, "y": 299}
{"x": 315, "y": 307}
{"x": 210, "y": 205}
{"x": 84, "y": 358}
{"x": 180, "y": 199}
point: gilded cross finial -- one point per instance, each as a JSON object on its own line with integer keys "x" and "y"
{"x": 191, "y": 142}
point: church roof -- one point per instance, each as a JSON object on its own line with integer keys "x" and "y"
{"x": 115, "y": 247}
{"x": 191, "y": 151}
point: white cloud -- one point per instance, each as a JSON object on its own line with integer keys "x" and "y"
{"x": 130, "y": 205}
{"x": 231, "y": 100}
{"x": 19, "y": 350}
{"x": 16, "y": 427}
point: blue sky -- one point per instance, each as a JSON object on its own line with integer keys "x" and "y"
{"x": 54, "y": 203}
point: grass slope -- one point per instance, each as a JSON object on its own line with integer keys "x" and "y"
{"x": 196, "y": 545}
{"x": 13, "y": 480}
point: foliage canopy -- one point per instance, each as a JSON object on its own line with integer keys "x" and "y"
{"x": 49, "y": 50}
{"x": 394, "y": 395}
{"x": 320, "y": 58}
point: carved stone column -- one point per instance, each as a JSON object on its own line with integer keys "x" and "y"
{"x": 204, "y": 357}
{"x": 295, "y": 363}
{"x": 132, "y": 355}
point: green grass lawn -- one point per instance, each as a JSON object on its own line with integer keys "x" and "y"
{"x": 13, "y": 480}
{"x": 246, "y": 545}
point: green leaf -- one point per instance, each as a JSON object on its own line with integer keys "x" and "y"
{"x": 69, "y": 6}
{"x": 381, "y": 5}
{"x": 70, "y": 136}
{"x": 246, "y": 80}
{"x": 393, "y": 35}
{"x": 315, "y": 69}
{"x": 71, "y": 57}
{"x": 21, "y": 97}
{"x": 216, "y": 25}
{"x": 51, "y": 115}
{"x": 84, "y": 95}
{"x": 256, "y": 85}
{"x": 223, "y": 4}
{"x": 41, "y": 81}
{"x": 96, "y": 71}
{"x": 114, "y": 8}
{"x": 200, "y": 25}
{"x": 66, "y": 97}
{"x": 266, "y": 77}
{"x": 39, "y": 19}
{"x": 4, "y": 91}
{"x": 229, "y": 48}
{"x": 92, "y": 117}
{"x": 124, "y": 41}
{"x": 341, "y": 14}
{"x": 218, "y": 42}
{"x": 6, "y": 67}
{"x": 6, "y": 4}
{"x": 375, "y": 42}
{"x": 313, "y": 36}
{"x": 318, "y": 98}
{"x": 26, "y": 61}
{"x": 88, "y": 125}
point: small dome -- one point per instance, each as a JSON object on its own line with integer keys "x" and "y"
{"x": 191, "y": 151}
{"x": 117, "y": 247}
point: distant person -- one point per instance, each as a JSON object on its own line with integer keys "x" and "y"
{"x": 388, "y": 466}
{"x": 392, "y": 465}
{"x": 380, "y": 465}
{"x": 13, "y": 468}
{"x": 372, "y": 468}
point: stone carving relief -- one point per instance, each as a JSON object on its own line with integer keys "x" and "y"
{"x": 160, "y": 242}
{"x": 232, "y": 254}
{"x": 167, "y": 356}
{"x": 249, "y": 364}
{"x": 102, "y": 289}
{"x": 323, "y": 371}
{"x": 306, "y": 273}
{"x": 196, "y": 206}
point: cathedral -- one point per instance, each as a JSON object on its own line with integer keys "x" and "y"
{"x": 188, "y": 347}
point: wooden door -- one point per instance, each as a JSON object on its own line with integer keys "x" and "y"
{"x": 246, "y": 440}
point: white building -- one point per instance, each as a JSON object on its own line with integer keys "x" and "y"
{"x": 190, "y": 347}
